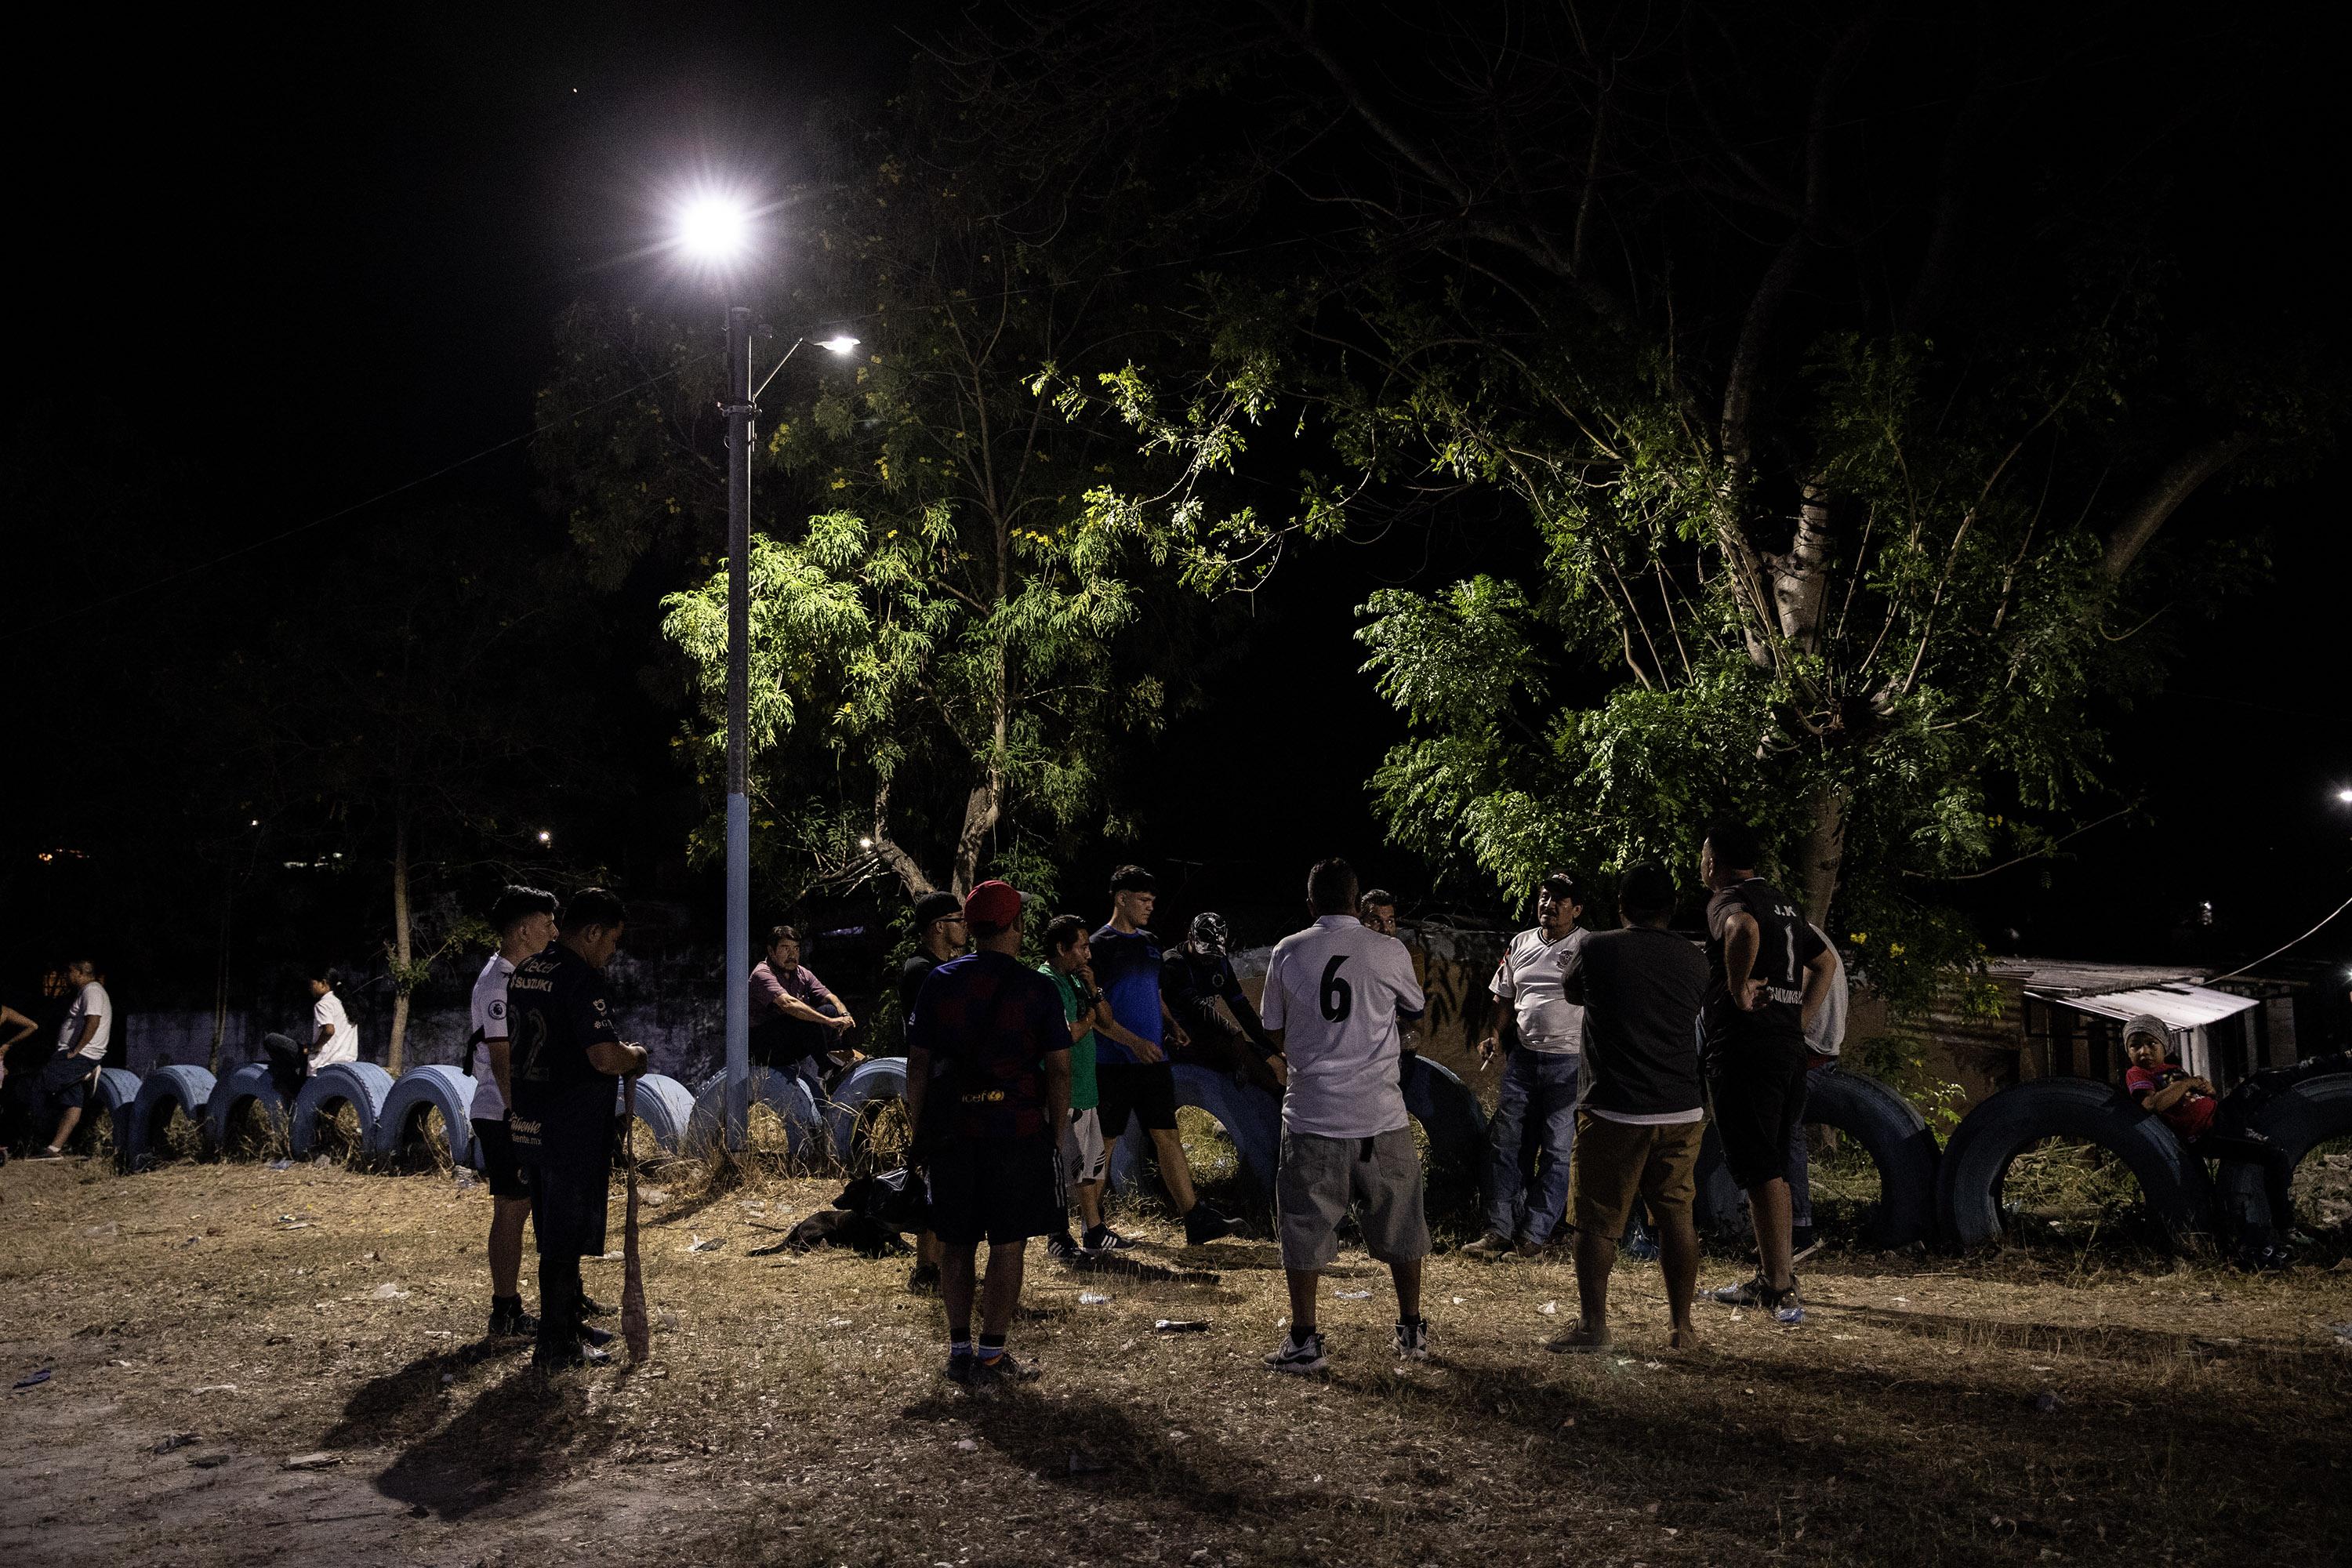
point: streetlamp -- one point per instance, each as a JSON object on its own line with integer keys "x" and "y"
{"x": 715, "y": 232}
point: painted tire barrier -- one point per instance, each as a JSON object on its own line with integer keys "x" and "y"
{"x": 884, "y": 1078}
{"x": 2298, "y": 1120}
{"x": 1251, "y": 1118}
{"x": 1976, "y": 1161}
{"x": 115, "y": 1094}
{"x": 664, "y": 1105}
{"x": 1889, "y": 1130}
{"x": 400, "y": 1123}
{"x": 249, "y": 1085}
{"x": 363, "y": 1086}
{"x": 780, "y": 1092}
{"x": 187, "y": 1088}
{"x": 1449, "y": 1113}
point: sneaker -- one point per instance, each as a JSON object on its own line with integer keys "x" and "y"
{"x": 959, "y": 1365}
{"x": 1642, "y": 1246}
{"x": 596, "y": 1339}
{"x": 1061, "y": 1247}
{"x": 513, "y": 1323}
{"x": 592, "y": 1308}
{"x": 995, "y": 1372}
{"x": 1205, "y": 1223}
{"x": 1102, "y": 1238}
{"x": 1750, "y": 1294}
{"x": 1490, "y": 1246}
{"x": 1412, "y": 1340}
{"x": 1785, "y": 1305}
{"x": 923, "y": 1279}
{"x": 1293, "y": 1356}
{"x": 47, "y": 1153}
{"x": 566, "y": 1358}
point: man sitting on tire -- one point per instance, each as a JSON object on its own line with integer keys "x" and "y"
{"x": 2208, "y": 1130}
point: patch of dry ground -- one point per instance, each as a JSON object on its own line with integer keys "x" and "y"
{"x": 2050, "y": 1404}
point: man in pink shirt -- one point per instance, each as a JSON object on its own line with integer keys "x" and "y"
{"x": 796, "y": 1023}
{"x": 2209, "y": 1131}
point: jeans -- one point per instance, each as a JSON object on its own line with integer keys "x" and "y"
{"x": 1538, "y": 1098}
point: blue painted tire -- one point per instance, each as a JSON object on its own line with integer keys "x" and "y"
{"x": 187, "y": 1088}
{"x": 115, "y": 1094}
{"x": 363, "y": 1086}
{"x": 1251, "y": 1118}
{"x": 2298, "y": 1120}
{"x": 1976, "y": 1161}
{"x": 664, "y": 1105}
{"x": 249, "y": 1085}
{"x": 884, "y": 1078}
{"x": 780, "y": 1092}
{"x": 400, "y": 1123}
{"x": 1448, "y": 1110}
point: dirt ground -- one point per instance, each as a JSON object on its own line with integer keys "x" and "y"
{"x": 204, "y": 1325}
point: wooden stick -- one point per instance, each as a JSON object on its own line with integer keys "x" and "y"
{"x": 635, "y": 1328}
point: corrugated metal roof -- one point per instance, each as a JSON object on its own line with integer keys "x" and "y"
{"x": 2058, "y": 977}
{"x": 2181, "y": 1005}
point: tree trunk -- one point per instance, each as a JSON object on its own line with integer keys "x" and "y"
{"x": 1801, "y": 578}
{"x": 220, "y": 971}
{"x": 401, "y": 949}
{"x": 1821, "y": 854}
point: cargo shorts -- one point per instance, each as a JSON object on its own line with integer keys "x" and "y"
{"x": 1320, "y": 1178}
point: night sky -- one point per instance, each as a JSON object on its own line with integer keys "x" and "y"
{"x": 266, "y": 273}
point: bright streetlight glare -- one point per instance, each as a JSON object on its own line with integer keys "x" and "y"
{"x": 714, "y": 229}
{"x": 546, "y": 837}
{"x": 842, "y": 345}
{"x": 2344, "y": 795}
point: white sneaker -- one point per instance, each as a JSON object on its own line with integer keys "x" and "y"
{"x": 1412, "y": 1340}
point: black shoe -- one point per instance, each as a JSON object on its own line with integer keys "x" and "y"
{"x": 1205, "y": 1223}
{"x": 987, "y": 1372}
{"x": 513, "y": 1323}
{"x": 1061, "y": 1248}
{"x": 558, "y": 1357}
{"x": 924, "y": 1279}
{"x": 592, "y": 1308}
{"x": 596, "y": 1339}
{"x": 1102, "y": 1238}
{"x": 959, "y": 1365}
{"x": 1800, "y": 1237}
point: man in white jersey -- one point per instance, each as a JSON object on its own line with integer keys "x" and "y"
{"x": 525, "y": 921}
{"x": 1333, "y": 994}
{"x": 82, "y": 1039}
{"x": 1541, "y": 1034}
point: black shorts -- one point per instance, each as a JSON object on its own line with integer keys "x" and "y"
{"x": 1757, "y": 1088}
{"x": 567, "y": 1207}
{"x": 995, "y": 1191}
{"x": 1146, "y": 1088}
{"x": 66, "y": 1079}
{"x": 499, "y": 1166}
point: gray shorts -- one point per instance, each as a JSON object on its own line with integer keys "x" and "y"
{"x": 1320, "y": 1178}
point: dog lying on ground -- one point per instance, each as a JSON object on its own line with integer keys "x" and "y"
{"x": 872, "y": 1215}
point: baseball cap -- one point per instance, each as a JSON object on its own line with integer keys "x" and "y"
{"x": 935, "y": 907}
{"x": 992, "y": 907}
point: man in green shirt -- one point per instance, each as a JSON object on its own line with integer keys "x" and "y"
{"x": 1069, "y": 965}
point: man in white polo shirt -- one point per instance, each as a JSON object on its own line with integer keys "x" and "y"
{"x": 1334, "y": 992}
{"x": 525, "y": 921}
{"x": 1541, "y": 1034}
{"x": 82, "y": 1040}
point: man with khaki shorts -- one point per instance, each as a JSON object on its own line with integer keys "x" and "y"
{"x": 1638, "y": 1130}
{"x": 1334, "y": 992}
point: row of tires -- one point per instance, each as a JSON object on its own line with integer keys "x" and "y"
{"x": 398, "y": 1115}
{"x": 1950, "y": 1193}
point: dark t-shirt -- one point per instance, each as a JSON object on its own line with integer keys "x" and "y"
{"x": 988, "y": 1022}
{"x": 911, "y": 975}
{"x": 1641, "y": 989}
{"x": 1785, "y": 946}
{"x": 556, "y": 1010}
{"x": 1127, "y": 971}
{"x": 1193, "y": 982}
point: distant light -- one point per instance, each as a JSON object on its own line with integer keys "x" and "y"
{"x": 714, "y": 229}
{"x": 545, "y": 837}
{"x": 861, "y": 844}
{"x": 842, "y": 345}
{"x": 2344, "y": 795}
{"x": 338, "y": 855}
{"x": 254, "y": 823}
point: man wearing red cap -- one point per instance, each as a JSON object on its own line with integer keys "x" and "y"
{"x": 988, "y": 1088}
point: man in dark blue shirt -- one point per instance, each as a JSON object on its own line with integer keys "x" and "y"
{"x": 988, "y": 1090}
{"x": 564, "y": 1057}
{"x": 1192, "y": 980}
{"x": 1132, "y": 1074}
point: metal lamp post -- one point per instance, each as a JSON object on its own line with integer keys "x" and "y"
{"x": 717, "y": 233}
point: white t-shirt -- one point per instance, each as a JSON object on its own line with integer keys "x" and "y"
{"x": 93, "y": 1003}
{"x": 1826, "y": 1037}
{"x": 1529, "y": 979}
{"x": 1336, "y": 990}
{"x": 490, "y": 1019}
{"x": 343, "y": 1044}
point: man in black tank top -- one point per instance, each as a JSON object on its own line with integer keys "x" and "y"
{"x": 1764, "y": 966}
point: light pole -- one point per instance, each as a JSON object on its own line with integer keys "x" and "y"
{"x": 715, "y": 233}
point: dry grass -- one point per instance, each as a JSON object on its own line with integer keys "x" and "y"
{"x": 793, "y": 1413}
